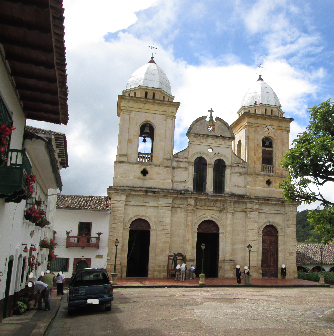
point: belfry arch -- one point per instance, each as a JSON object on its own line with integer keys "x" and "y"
{"x": 138, "y": 248}
{"x": 208, "y": 234}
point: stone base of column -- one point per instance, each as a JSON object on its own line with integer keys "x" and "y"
{"x": 321, "y": 279}
{"x": 201, "y": 279}
{"x": 114, "y": 278}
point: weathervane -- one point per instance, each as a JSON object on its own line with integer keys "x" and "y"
{"x": 152, "y": 47}
{"x": 259, "y": 71}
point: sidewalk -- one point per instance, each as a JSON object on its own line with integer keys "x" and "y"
{"x": 212, "y": 282}
{"x": 33, "y": 322}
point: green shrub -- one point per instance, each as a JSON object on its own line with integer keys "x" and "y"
{"x": 310, "y": 276}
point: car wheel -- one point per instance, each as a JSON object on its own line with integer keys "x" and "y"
{"x": 108, "y": 307}
{"x": 70, "y": 310}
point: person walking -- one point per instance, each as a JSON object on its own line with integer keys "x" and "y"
{"x": 238, "y": 274}
{"x": 60, "y": 283}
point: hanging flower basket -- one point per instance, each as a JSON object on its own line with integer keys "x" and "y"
{"x": 33, "y": 214}
{"x": 5, "y": 132}
{"x": 44, "y": 243}
{"x": 30, "y": 180}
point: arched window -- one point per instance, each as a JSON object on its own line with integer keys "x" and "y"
{"x": 145, "y": 145}
{"x": 199, "y": 175}
{"x": 239, "y": 148}
{"x": 267, "y": 155}
{"x": 219, "y": 176}
{"x": 146, "y": 94}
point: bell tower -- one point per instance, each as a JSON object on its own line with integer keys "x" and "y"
{"x": 147, "y": 113}
{"x": 262, "y": 138}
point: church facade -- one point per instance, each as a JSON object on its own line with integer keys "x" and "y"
{"x": 221, "y": 191}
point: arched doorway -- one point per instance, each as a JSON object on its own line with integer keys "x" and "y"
{"x": 81, "y": 265}
{"x": 138, "y": 248}
{"x": 269, "y": 262}
{"x": 207, "y": 233}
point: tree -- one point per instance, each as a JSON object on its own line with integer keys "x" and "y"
{"x": 311, "y": 165}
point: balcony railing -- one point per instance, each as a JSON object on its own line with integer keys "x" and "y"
{"x": 82, "y": 241}
{"x": 268, "y": 169}
{"x": 145, "y": 157}
{"x": 13, "y": 176}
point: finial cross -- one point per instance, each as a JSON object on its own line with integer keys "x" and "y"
{"x": 211, "y": 110}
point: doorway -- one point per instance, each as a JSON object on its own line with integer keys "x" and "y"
{"x": 208, "y": 234}
{"x": 81, "y": 265}
{"x": 269, "y": 262}
{"x": 6, "y": 311}
{"x": 138, "y": 249}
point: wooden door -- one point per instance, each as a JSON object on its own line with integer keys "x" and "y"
{"x": 269, "y": 262}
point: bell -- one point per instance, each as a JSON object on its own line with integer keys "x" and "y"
{"x": 146, "y": 131}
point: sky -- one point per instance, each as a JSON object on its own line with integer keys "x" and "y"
{"x": 212, "y": 51}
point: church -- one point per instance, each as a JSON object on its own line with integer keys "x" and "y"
{"x": 221, "y": 192}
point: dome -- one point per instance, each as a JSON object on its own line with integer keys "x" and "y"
{"x": 260, "y": 93}
{"x": 150, "y": 75}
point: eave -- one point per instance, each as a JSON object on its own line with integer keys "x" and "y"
{"x": 32, "y": 39}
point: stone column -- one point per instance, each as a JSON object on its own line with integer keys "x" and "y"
{"x": 163, "y": 237}
{"x": 252, "y": 238}
{"x": 209, "y": 178}
{"x": 190, "y": 252}
{"x": 116, "y": 232}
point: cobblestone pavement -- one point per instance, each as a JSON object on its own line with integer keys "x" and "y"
{"x": 205, "y": 311}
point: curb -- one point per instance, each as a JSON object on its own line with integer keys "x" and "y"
{"x": 43, "y": 325}
{"x": 219, "y": 286}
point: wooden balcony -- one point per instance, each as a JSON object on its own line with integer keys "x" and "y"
{"x": 82, "y": 241}
{"x": 13, "y": 176}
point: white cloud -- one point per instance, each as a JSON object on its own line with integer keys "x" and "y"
{"x": 87, "y": 21}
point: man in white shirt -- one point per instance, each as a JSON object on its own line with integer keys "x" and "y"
{"x": 43, "y": 290}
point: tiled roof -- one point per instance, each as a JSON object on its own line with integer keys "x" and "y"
{"x": 60, "y": 142}
{"x": 308, "y": 254}
{"x": 76, "y": 202}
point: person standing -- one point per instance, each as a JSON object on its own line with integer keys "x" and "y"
{"x": 178, "y": 272}
{"x": 49, "y": 279}
{"x": 283, "y": 272}
{"x": 183, "y": 271}
{"x": 42, "y": 289}
{"x": 192, "y": 270}
{"x": 60, "y": 283}
{"x": 246, "y": 275}
{"x": 238, "y": 274}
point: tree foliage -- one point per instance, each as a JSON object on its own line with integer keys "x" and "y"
{"x": 311, "y": 165}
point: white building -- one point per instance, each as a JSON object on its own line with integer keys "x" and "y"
{"x": 32, "y": 86}
{"x": 82, "y": 226}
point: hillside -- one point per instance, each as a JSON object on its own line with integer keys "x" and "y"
{"x": 305, "y": 232}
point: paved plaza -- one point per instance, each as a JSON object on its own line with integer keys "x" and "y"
{"x": 205, "y": 311}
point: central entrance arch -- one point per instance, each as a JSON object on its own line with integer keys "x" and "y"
{"x": 138, "y": 248}
{"x": 207, "y": 233}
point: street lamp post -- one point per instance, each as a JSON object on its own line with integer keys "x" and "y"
{"x": 249, "y": 246}
{"x": 116, "y": 244}
{"x": 114, "y": 275}
{"x": 321, "y": 251}
{"x": 321, "y": 275}
{"x": 202, "y": 275}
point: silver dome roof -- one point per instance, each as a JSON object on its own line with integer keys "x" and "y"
{"x": 260, "y": 93}
{"x": 150, "y": 75}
